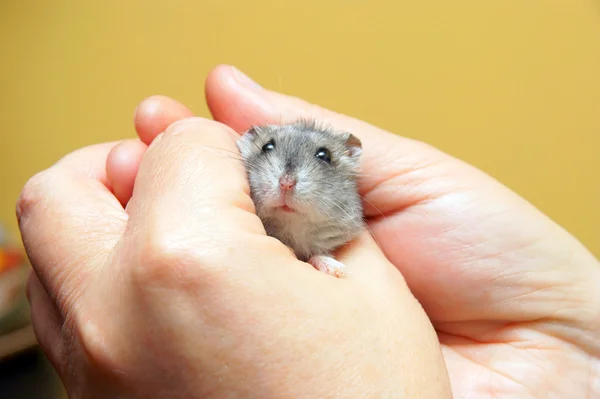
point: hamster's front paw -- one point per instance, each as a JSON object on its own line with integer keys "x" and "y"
{"x": 328, "y": 265}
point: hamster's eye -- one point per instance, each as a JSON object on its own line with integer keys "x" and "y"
{"x": 324, "y": 155}
{"x": 270, "y": 146}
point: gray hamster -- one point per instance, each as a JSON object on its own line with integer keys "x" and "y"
{"x": 303, "y": 183}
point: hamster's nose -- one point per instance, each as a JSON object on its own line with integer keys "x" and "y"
{"x": 286, "y": 182}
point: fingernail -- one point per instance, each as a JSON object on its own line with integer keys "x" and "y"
{"x": 244, "y": 80}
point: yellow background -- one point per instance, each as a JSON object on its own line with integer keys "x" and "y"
{"x": 512, "y": 86}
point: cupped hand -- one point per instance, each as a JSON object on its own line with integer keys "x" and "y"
{"x": 182, "y": 294}
{"x": 513, "y": 297}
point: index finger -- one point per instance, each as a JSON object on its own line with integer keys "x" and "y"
{"x": 69, "y": 221}
{"x": 191, "y": 195}
{"x": 432, "y": 214}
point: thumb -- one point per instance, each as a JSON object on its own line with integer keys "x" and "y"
{"x": 70, "y": 222}
{"x": 237, "y": 101}
{"x": 191, "y": 201}
{"x": 192, "y": 197}
{"x": 388, "y": 161}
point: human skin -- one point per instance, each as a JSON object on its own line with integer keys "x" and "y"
{"x": 513, "y": 297}
{"x": 183, "y": 295}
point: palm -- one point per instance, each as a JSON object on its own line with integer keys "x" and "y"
{"x": 501, "y": 282}
{"x": 464, "y": 258}
{"x": 510, "y": 369}
{"x": 489, "y": 269}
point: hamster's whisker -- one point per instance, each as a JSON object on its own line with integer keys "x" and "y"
{"x": 328, "y": 222}
{"x": 230, "y": 154}
{"x": 365, "y": 175}
{"x": 256, "y": 146}
{"x": 237, "y": 108}
{"x": 338, "y": 204}
{"x": 374, "y": 207}
{"x": 312, "y": 169}
{"x": 260, "y": 150}
{"x": 268, "y": 160}
{"x": 366, "y": 226}
{"x": 234, "y": 135}
{"x": 364, "y": 223}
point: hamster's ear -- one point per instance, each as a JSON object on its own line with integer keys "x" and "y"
{"x": 253, "y": 131}
{"x": 246, "y": 143}
{"x": 354, "y": 145}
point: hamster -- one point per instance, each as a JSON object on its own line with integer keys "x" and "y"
{"x": 303, "y": 183}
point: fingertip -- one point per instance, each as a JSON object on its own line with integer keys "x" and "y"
{"x": 154, "y": 114}
{"x": 220, "y": 73}
{"x": 122, "y": 166}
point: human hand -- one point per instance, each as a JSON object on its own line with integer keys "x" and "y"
{"x": 183, "y": 295}
{"x": 513, "y": 297}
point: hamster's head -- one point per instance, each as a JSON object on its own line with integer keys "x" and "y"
{"x": 301, "y": 169}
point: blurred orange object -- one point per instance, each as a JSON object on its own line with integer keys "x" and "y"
{"x": 10, "y": 258}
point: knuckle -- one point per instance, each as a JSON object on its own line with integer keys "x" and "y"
{"x": 33, "y": 194}
{"x": 176, "y": 261}
{"x": 97, "y": 341}
{"x": 196, "y": 128}
{"x": 166, "y": 138}
{"x": 190, "y": 123}
{"x": 164, "y": 263}
{"x": 182, "y": 126}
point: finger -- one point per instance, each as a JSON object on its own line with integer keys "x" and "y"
{"x": 152, "y": 117}
{"x": 155, "y": 114}
{"x": 45, "y": 320}
{"x": 366, "y": 263}
{"x": 122, "y": 166}
{"x": 192, "y": 194}
{"x": 454, "y": 232}
{"x": 238, "y": 103}
{"x": 69, "y": 222}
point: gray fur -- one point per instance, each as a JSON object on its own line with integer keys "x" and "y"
{"x": 328, "y": 207}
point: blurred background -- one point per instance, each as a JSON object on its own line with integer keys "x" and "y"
{"x": 510, "y": 86}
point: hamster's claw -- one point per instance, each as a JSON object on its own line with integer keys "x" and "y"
{"x": 328, "y": 265}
